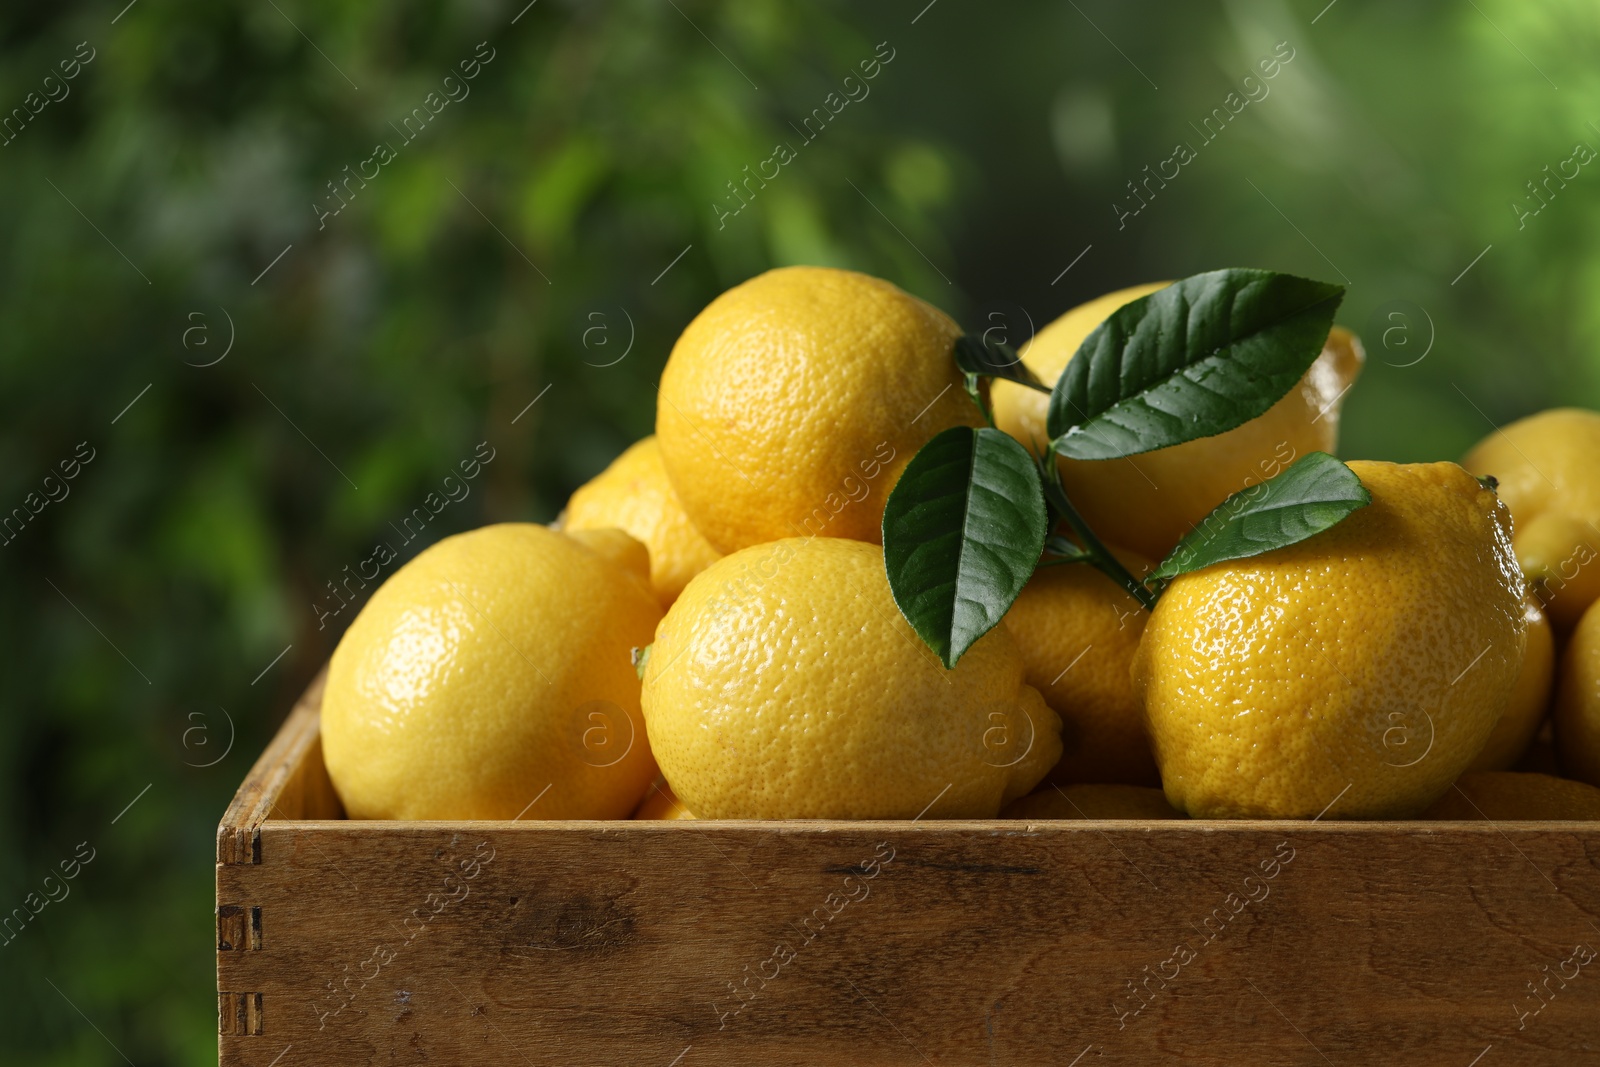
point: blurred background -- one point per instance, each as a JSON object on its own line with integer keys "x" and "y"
{"x": 272, "y": 269}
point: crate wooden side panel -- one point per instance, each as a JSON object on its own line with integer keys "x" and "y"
{"x": 968, "y": 944}
{"x": 897, "y": 943}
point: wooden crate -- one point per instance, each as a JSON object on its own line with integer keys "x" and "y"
{"x": 659, "y": 944}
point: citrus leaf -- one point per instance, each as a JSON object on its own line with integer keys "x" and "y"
{"x": 962, "y": 532}
{"x": 1312, "y": 494}
{"x": 994, "y": 359}
{"x": 1195, "y": 359}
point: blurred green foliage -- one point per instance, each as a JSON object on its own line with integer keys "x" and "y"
{"x": 562, "y": 211}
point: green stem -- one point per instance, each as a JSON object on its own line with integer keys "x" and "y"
{"x": 1099, "y": 555}
{"x": 1064, "y": 551}
{"x": 974, "y": 392}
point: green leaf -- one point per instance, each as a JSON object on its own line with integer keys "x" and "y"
{"x": 1194, "y": 359}
{"x": 994, "y": 359}
{"x": 962, "y": 532}
{"x": 1311, "y": 495}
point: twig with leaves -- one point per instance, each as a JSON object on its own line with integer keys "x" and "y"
{"x": 974, "y": 514}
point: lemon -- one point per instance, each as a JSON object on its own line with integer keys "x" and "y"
{"x": 1093, "y": 801}
{"x": 633, "y": 494}
{"x": 662, "y": 803}
{"x": 784, "y": 684}
{"x": 791, "y": 404}
{"x": 1359, "y": 671}
{"x": 1549, "y": 475}
{"x": 1530, "y": 700}
{"x": 1078, "y": 631}
{"x": 618, "y": 548}
{"x": 1510, "y": 796}
{"x": 1149, "y": 501}
{"x": 1577, "y": 711}
{"x": 490, "y": 678}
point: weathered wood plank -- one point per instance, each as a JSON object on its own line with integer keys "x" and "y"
{"x": 899, "y": 943}
{"x": 973, "y": 943}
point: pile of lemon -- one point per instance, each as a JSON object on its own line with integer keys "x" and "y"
{"x": 708, "y": 631}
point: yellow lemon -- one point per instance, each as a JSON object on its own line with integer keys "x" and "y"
{"x": 662, "y": 803}
{"x": 1093, "y": 801}
{"x": 633, "y": 494}
{"x": 791, "y": 404}
{"x": 1359, "y": 671}
{"x": 1548, "y": 467}
{"x": 1530, "y": 700}
{"x": 1149, "y": 501}
{"x": 1512, "y": 797}
{"x": 784, "y": 684}
{"x": 1078, "y": 631}
{"x": 1577, "y": 711}
{"x": 490, "y": 678}
{"x": 618, "y": 548}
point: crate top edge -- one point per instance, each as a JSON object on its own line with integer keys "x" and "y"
{"x": 976, "y": 827}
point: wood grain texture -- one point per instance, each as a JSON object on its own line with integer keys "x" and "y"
{"x": 661, "y": 943}
{"x": 287, "y": 782}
